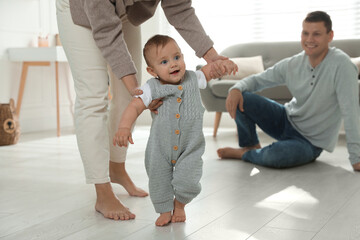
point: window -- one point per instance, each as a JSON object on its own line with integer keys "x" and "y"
{"x": 230, "y": 22}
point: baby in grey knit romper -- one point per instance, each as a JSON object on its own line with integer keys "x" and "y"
{"x": 173, "y": 154}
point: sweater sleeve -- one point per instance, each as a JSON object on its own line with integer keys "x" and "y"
{"x": 201, "y": 79}
{"x": 347, "y": 92}
{"x": 107, "y": 31}
{"x": 146, "y": 96}
{"x": 271, "y": 77}
{"x": 182, "y": 16}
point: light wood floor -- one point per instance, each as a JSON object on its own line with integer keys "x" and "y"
{"x": 43, "y": 196}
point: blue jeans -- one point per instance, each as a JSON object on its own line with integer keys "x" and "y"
{"x": 292, "y": 149}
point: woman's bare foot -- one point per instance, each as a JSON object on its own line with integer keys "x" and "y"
{"x": 164, "y": 219}
{"x": 236, "y": 153}
{"x": 179, "y": 212}
{"x": 109, "y": 205}
{"x": 119, "y": 175}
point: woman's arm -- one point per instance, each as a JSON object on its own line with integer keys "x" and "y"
{"x": 181, "y": 15}
{"x": 107, "y": 32}
{"x": 131, "y": 84}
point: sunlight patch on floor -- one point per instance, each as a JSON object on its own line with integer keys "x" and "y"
{"x": 254, "y": 171}
{"x": 301, "y": 201}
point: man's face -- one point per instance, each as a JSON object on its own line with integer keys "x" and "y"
{"x": 315, "y": 40}
{"x": 167, "y": 63}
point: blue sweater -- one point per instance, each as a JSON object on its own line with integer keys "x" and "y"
{"x": 322, "y": 97}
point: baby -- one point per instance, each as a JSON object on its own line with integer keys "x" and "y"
{"x": 176, "y": 143}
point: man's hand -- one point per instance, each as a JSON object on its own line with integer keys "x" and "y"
{"x": 234, "y": 99}
{"x": 122, "y": 137}
{"x": 155, "y": 104}
{"x": 356, "y": 166}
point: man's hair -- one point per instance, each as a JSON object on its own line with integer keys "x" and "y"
{"x": 320, "y": 16}
{"x": 155, "y": 41}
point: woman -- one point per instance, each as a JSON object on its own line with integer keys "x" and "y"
{"x": 102, "y": 40}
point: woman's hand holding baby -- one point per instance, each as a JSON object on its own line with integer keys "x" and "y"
{"x": 219, "y": 68}
{"x": 226, "y": 67}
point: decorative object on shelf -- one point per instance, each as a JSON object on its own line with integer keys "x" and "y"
{"x": 43, "y": 40}
{"x": 9, "y": 124}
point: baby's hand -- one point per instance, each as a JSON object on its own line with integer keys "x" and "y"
{"x": 221, "y": 68}
{"x": 122, "y": 136}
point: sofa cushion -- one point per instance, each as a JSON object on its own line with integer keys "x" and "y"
{"x": 246, "y": 67}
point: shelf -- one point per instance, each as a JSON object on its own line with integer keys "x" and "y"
{"x": 40, "y": 54}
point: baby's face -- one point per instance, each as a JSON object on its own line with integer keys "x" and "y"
{"x": 168, "y": 63}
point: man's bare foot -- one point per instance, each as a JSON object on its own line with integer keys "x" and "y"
{"x": 119, "y": 175}
{"x": 164, "y": 219}
{"x": 109, "y": 205}
{"x": 356, "y": 166}
{"x": 236, "y": 153}
{"x": 179, "y": 212}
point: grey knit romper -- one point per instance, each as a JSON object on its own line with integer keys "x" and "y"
{"x": 173, "y": 154}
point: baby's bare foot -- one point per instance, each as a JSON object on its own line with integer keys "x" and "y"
{"x": 179, "y": 212}
{"x": 236, "y": 153}
{"x": 119, "y": 175}
{"x": 164, "y": 219}
{"x": 109, "y": 205}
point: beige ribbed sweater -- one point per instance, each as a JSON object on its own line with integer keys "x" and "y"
{"x": 103, "y": 17}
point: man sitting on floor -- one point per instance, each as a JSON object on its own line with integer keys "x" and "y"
{"x": 324, "y": 85}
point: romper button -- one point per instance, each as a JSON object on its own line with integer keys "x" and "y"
{"x": 179, "y": 100}
{"x": 177, "y": 132}
{"x": 180, "y": 87}
{"x": 177, "y": 115}
{"x": 175, "y": 148}
{"x": 173, "y": 161}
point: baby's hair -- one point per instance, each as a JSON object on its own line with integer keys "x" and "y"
{"x": 155, "y": 41}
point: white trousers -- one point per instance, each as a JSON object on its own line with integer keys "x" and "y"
{"x": 95, "y": 121}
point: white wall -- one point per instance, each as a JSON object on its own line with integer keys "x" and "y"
{"x": 21, "y": 21}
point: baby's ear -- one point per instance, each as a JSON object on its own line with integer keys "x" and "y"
{"x": 150, "y": 70}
